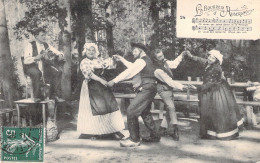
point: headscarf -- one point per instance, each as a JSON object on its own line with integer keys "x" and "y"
{"x": 87, "y": 46}
{"x": 217, "y": 55}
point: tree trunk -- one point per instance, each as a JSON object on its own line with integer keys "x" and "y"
{"x": 110, "y": 41}
{"x": 66, "y": 48}
{"x": 155, "y": 18}
{"x": 83, "y": 29}
{"x": 109, "y": 31}
{"x": 254, "y": 59}
{"x": 88, "y": 18}
{"x": 173, "y": 15}
{"x": 6, "y": 65}
{"x": 257, "y": 65}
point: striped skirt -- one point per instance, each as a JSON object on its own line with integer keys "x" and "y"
{"x": 96, "y": 124}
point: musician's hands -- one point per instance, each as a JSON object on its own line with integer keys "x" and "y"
{"x": 60, "y": 57}
{"x": 111, "y": 83}
{"x": 38, "y": 57}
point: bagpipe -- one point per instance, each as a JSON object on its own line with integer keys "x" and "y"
{"x": 51, "y": 59}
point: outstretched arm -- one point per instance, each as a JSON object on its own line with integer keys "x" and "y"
{"x": 164, "y": 77}
{"x": 175, "y": 63}
{"x": 123, "y": 60}
{"x": 195, "y": 58}
{"x": 130, "y": 72}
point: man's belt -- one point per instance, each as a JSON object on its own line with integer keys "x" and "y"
{"x": 145, "y": 81}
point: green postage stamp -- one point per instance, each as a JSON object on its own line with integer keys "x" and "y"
{"x": 22, "y": 144}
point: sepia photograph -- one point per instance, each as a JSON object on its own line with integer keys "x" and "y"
{"x": 149, "y": 81}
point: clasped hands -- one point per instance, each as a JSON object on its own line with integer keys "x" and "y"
{"x": 111, "y": 83}
{"x": 186, "y": 53}
{"x": 106, "y": 83}
{"x": 189, "y": 86}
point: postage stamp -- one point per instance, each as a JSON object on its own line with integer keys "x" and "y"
{"x": 22, "y": 144}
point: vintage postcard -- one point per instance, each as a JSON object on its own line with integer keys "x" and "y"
{"x": 118, "y": 81}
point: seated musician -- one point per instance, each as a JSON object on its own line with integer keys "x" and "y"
{"x": 42, "y": 63}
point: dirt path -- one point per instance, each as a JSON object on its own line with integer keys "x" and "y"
{"x": 189, "y": 149}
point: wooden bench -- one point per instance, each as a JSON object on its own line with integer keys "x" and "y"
{"x": 161, "y": 112}
{"x": 193, "y": 98}
{"x": 3, "y": 114}
{"x": 251, "y": 118}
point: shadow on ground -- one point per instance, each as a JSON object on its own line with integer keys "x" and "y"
{"x": 69, "y": 148}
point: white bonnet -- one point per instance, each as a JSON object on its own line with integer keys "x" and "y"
{"x": 217, "y": 55}
{"x": 87, "y": 46}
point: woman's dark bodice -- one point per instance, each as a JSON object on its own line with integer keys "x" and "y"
{"x": 212, "y": 75}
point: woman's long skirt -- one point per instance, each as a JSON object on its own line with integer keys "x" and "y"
{"x": 219, "y": 114}
{"x": 93, "y": 119}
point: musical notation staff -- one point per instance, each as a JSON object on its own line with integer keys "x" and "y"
{"x": 222, "y": 28}
{"x": 217, "y": 20}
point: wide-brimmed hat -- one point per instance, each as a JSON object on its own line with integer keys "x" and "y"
{"x": 139, "y": 45}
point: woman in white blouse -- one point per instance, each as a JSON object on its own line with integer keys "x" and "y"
{"x": 98, "y": 110}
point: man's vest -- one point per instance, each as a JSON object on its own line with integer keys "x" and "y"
{"x": 147, "y": 73}
{"x": 34, "y": 54}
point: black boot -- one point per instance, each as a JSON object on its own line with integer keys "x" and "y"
{"x": 149, "y": 123}
{"x": 174, "y": 132}
{"x": 162, "y": 131}
{"x": 133, "y": 127}
{"x": 152, "y": 138}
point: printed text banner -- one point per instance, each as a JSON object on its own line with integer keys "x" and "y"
{"x": 218, "y": 19}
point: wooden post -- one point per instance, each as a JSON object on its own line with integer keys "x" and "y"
{"x": 161, "y": 106}
{"x": 188, "y": 99}
{"x": 44, "y": 122}
{"x": 251, "y": 118}
{"x": 18, "y": 115}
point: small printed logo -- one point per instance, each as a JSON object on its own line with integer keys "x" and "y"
{"x": 22, "y": 144}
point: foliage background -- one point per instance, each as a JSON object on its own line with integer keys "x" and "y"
{"x": 132, "y": 20}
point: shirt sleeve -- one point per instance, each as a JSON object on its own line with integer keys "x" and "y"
{"x": 175, "y": 63}
{"x": 202, "y": 61}
{"x": 28, "y": 58}
{"x": 130, "y": 72}
{"x": 164, "y": 77}
{"x": 86, "y": 69}
{"x": 127, "y": 63}
{"x": 55, "y": 51}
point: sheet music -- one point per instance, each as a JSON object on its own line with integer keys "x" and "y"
{"x": 218, "y": 19}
